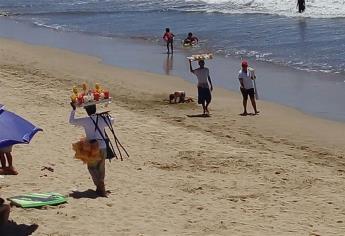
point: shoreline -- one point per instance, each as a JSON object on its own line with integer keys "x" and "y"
{"x": 279, "y": 173}
{"x": 314, "y": 93}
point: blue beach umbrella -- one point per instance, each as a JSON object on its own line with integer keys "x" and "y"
{"x": 15, "y": 129}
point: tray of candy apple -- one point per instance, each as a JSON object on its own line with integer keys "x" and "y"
{"x": 87, "y": 97}
{"x": 198, "y": 57}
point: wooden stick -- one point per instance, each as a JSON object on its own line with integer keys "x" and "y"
{"x": 256, "y": 91}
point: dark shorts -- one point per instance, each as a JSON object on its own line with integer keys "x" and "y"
{"x": 204, "y": 95}
{"x": 246, "y": 92}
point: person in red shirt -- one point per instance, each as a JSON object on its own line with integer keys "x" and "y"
{"x": 169, "y": 39}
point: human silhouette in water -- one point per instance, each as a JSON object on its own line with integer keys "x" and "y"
{"x": 301, "y": 5}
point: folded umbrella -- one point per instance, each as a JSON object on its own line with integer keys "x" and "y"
{"x": 15, "y": 129}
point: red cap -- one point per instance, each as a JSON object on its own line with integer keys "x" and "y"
{"x": 244, "y": 64}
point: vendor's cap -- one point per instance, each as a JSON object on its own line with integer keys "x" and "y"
{"x": 244, "y": 63}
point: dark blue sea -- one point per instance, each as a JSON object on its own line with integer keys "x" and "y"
{"x": 264, "y": 30}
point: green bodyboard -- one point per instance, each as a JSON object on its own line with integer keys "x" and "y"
{"x": 30, "y": 200}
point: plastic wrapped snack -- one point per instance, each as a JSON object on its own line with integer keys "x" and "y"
{"x": 86, "y": 151}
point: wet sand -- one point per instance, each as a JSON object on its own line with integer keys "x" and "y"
{"x": 319, "y": 94}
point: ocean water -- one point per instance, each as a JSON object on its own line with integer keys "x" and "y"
{"x": 264, "y": 30}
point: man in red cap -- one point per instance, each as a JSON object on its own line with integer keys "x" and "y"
{"x": 246, "y": 78}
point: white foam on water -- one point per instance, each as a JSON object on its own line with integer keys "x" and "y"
{"x": 314, "y": 8}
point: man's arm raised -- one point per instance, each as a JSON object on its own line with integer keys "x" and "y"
{"x": 190, "y": 66}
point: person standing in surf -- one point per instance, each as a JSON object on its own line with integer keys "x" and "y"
{"x": 301, "y": 6}
{"x": 204, "y": 85}
{"x": 246, "y": 78}
{"x": 169, "y": 39}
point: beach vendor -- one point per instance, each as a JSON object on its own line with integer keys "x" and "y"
{"x": 94, "y": 140}
{"x": 4, "y": 213}
{"x": 5, "y": 155}
{"x": 246, "y": 77}
{"x": 204, "y": 85}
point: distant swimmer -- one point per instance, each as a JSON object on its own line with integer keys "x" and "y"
{"x": 301, "y": 5}
{"x": 169, "y": 39}
{"x": 191, "y": 39}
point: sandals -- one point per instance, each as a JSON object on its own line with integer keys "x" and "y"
{"x": 100, "y": 190}
{"x": 8, "y": 171}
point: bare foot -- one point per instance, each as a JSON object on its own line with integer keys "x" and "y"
{"x": 100, "y": 190}
{"x": 244, "y": 114}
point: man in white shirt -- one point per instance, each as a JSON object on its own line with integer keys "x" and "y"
{"x": 204, "y": 89}
{"x": 97, "y": 170}
{"x": 246, "y": 78}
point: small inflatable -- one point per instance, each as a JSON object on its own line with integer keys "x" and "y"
{"x": 189, "y": 45}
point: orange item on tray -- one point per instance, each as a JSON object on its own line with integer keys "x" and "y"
{"x": 96, "y": 96}
{"x": 88, "y": 97}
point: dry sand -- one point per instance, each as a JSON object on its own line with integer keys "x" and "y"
{"x": 279, "y": 173}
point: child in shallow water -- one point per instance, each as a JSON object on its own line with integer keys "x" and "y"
{"x": 169, "y": 39}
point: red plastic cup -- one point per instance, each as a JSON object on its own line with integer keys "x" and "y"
{"x": 106, "y": 94}
{"x": 96, "y": 96}
{"x": 80, "y": 99}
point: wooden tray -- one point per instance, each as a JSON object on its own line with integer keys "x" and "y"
{"x": 85, "y": 104}
{"x": 198, "y": 57}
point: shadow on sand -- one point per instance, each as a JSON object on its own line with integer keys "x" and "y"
{"x": 85, "y": 194}
{"x": 199, "y": 115}
{"x": 12, "y": 228}
{"x": 248, "y": 114}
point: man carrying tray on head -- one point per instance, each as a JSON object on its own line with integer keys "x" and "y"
{"x": 97, "y": 168}
{"x": 204, "y": 89}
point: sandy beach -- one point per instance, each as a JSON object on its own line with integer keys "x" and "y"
{"x": 279, "y": 173}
